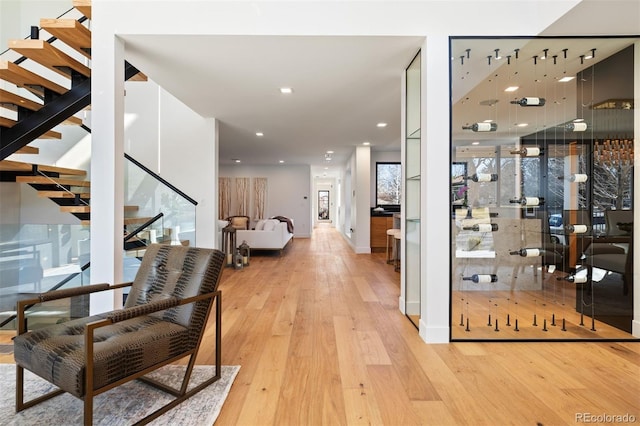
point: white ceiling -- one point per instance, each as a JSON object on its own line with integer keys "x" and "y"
{"x": 342, "y": 87}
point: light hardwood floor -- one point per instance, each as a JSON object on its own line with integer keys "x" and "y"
{"x": 320, "y": 341}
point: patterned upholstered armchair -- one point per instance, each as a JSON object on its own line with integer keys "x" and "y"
{"x": 163, "y": 321}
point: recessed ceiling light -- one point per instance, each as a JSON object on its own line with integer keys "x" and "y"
{"x": 326, "y": 168}
{"x": 236, "y": 160}
{"x": 488, "y": 121}
{"x": 511, "y": 89}
{"x": 475, "y": 143}
{"x": 565, "y": 79}
{"x": 281, "y": 161}
{"x": 329, "y": 152}
{"x": 381, "y": 124}
{"x": 286, "y": 90}
{"x": 366, "y": 143}
{"x": 522, "y": 124}
{"x": 259, "y": 134}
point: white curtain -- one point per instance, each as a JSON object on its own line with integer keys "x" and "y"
{"x": 259, "y": 196}
{"x": 224, "y": 197}
{"x": 242, "y": 196}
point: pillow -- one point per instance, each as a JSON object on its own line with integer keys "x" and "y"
{"x": 260, "y": 225}
{"x": 270, "y": 224}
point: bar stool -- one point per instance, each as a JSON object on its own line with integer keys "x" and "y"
{"x": 398, "y": 238}
{"x": 390, "y": 244}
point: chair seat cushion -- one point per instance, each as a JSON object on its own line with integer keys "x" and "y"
{"x": 56, "y": 353}
{"x": 609, "y": 262}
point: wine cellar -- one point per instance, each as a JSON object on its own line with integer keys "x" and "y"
{"x": 542, "y": 149}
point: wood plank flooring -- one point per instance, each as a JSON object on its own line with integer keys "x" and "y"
{"x": 320, "y": 341}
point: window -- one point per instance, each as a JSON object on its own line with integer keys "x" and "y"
{"x": 388, "y": 184}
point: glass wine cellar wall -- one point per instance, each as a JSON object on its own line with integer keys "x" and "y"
{"x": 542, "y": 149}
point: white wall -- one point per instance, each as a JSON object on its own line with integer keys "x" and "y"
{"x": 179, "y": 145}
{"x": 288, "y": 192}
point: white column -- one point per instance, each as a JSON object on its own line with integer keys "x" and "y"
{"x": 107, "y": 160}
{"x": 435, "y": 217}
{"x": 363, "y": 188}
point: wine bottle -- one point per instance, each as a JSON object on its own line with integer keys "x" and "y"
{"x": 482, "y": 227}
{"x": 530, "y": 151}
{"x": 575, "y": 177}
{"x": 576, "y": 127}
{"x": 576, "y": 229}
{"x": 482, "y": 127}
{"x": 484, "y": 177}
{"x": 530, "y": 101}
{"x": 578, "y": 279}
{"x": 528, "y": 252}
{"x": 482, "y": 278}
{"x": 528, "y": 201}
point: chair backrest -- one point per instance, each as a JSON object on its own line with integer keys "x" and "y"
{"x": 177, "y": 271}
{"x": 239, "y": 222}
{"x": 613, "y": 217}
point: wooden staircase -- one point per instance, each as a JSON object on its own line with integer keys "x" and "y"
{"x": 30, "y": 94}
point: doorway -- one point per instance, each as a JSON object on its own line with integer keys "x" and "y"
{"x": 323, "y": 205}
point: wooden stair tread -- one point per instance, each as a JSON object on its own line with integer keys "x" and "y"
{"x": 83, "y": 6}
{"x": 47, "y": 55}
{"x": 42, "y": 180}
{"x": 28, "y": 150}
{"x": 133, "y": 220}
{"x": 18, "y": 166}
{"x": 72, "y": 121}
{"x": 50, "y": 134}
{"x": 139, "y": 77}
{"x": 12, "y": 100}
{"x": 127, "y": 220}
{"x": 71, "y": 32}
{"x": 29, "y": 80}
{"x": 63, "y": 194}
{"x": 75, "y": 209}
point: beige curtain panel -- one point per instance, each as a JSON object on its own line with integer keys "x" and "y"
{"x": 259, "y": 196}
{"x": 224, "y": 197}
{"x": 242, "y": 196}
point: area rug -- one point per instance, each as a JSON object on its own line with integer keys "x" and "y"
{"x": 123, "y": 405}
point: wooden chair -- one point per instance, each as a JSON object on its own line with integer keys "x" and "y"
{"x": 163, "y": 321}
{"x": 239, "y": 222}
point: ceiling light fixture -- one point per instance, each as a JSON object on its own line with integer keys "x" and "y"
{"x": 511, "y": 89}
{"x": 475, "y": 143}
{"x": 329, "y": 152}
{"x": 235, "y": 160}
{"x": 259, "y": 134}
{"x": 522, "y": 124}
{"x": 381, "y": 125}
{"x": 366, "y": 143}
{"x": 286, "y": 90}
{"x": 281, "y": 161}
{"x": 565, "y": 79}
